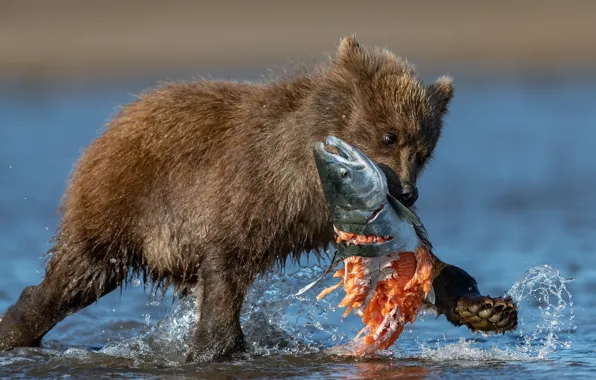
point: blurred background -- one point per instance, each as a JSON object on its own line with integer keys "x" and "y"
{"x": 512, "y": 184}
{"x": 49, "y": 41}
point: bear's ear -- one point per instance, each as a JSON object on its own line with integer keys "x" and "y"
{"x": 349, "y": 50}
{"x": 348, "y": 46}
{"x": 441, "y": 93}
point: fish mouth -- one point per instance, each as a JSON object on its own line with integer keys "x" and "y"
{"x": 336, "y": 152}
{"x": 351, "y": 154}
{"x": 343, "y": 150}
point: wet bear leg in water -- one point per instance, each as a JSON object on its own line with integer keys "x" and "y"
{"x": 457, "y": 297}
{"x": 75, "y": 279}
{"x": 72, "y": 282}
{"x": 220, "y": 296}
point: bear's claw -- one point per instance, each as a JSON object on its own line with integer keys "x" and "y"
{"x": 487, "y": 314}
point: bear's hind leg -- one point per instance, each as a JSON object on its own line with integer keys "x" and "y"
{"x": 68, "y": 286}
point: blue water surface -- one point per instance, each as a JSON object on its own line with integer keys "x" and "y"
{"x": 512, "y": 187}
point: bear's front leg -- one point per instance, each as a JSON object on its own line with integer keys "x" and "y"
{"x": 218, "y": 335}
{"x": 457, "y": 296}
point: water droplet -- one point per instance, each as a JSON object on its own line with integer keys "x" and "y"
{"x": 113, "y": 260}
{"x": 546, "y": 289}
{"x": 136, "y": 282}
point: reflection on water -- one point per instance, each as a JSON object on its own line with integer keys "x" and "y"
{"x": 511, "y": 188}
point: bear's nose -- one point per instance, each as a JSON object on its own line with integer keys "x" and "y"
{"x": 409, "y": 195}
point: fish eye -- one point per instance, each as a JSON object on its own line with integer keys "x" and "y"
{"x": 344, "y": 173}
{"x": 389, "y": 138}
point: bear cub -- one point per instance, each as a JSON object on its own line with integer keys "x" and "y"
{"x": 206, "y": 184}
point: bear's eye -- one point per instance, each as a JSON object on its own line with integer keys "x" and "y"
{"x": 389, "y": 138}
{"x": 344, "y": 173}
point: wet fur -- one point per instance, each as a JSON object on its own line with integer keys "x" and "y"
{"x": 215, "y": 181}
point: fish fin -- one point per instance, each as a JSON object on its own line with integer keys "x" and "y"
{"x": 334, "y": 261}
{"x": 403, "y": 211}
{"x": 430, "y": 296}
{"x": 307, "y": 287}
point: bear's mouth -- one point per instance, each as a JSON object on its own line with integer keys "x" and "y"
{"x": 353, "y": 238}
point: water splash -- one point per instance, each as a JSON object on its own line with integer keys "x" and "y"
{"x": 166, "y": 342}
{"x": 544, "y": 289}
{"x": 546, "y": 323}
{"x": 276, "y": 322}
{"x": 546, "y": 319}
{"x": 470, "y": 351}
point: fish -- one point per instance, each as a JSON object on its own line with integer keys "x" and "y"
{"x": 388, "y": 265}
{"x": 387, "y": 259}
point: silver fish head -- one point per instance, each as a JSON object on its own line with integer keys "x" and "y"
{"x": 350, "y": 180}
{"x": 360, "y": 206}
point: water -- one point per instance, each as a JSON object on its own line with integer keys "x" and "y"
{"x": 510, "y": 191}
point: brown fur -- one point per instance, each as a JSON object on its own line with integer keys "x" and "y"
{"x": 215, "y": 181}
